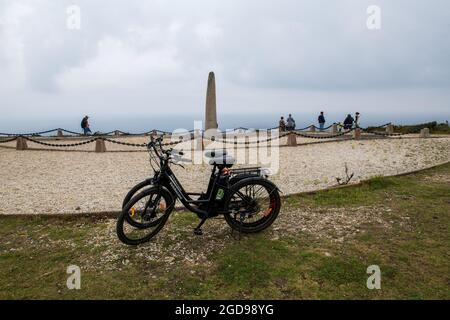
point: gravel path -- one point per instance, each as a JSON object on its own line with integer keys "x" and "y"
{"x": 41, "y": 182}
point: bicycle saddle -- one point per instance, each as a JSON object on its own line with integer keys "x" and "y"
{"x": 223, "y": 161}
{"x": 216, "y": 153}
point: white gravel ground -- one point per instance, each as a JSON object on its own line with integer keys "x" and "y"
{"x": 42, "y": 182}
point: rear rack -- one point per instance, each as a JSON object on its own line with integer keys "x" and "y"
{"x": 251, "y": 170}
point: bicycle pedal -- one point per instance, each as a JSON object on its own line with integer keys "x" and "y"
{"x": 198, "y": 232}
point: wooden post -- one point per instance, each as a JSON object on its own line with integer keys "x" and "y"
{"x": 292, "y": 139}
{"x": 334, "y": 129}
{"x": 60, "y": 133}
{"x": 117, "y": 133}
{"x": 312, "y": 128}
{"x": 100, "y": 145}
{"x": 21, "y": 144}
{"x": 357, "y": 134}
{"x": 425, "y": 133}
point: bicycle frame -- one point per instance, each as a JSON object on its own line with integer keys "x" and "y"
{"x": 165, "y": 177}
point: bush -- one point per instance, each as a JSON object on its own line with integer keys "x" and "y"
{"x": 415, "y": 128}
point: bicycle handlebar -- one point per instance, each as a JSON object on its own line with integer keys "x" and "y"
{"x": 165, "y": 155}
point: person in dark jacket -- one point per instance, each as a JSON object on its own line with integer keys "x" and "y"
{"x": 282, "y": 125}
{"x": 290, "y": 123}
{"x": 85, "y": 126}
{"x": 348, "y": 122}
{"x": 321, "y": 120}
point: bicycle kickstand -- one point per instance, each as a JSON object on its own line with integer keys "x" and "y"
{"x": 198, "y": 230}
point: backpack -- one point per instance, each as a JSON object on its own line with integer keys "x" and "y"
{"x": 83, "y": 123}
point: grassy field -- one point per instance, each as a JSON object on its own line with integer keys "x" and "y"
{"x": 319, "y": 248}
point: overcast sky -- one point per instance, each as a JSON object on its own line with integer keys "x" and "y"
{"x": 145, "y": 57}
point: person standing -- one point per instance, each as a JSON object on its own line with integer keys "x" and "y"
{"x": 290, "y": 123}
{"x": 321, "y": 121}
{"x": 85, "y": 126}
{"x": 357, "y": 119}
{"x": 282, "y": 125}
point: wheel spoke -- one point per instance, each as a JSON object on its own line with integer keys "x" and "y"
{"x": 150, "y": 215}
{"x": 251, "y": 200}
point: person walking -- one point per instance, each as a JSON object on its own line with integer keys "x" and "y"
{"x": 85, "y": 126}
{"x": 348, "y": 122}
{"x": 290, "y": 123}
{"x": 282, "y": 125}
{"x": 321, "y": 120}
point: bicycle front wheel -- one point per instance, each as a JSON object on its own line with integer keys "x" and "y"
{"x": 134, "y": 191}
{"x": 144, "y": 215}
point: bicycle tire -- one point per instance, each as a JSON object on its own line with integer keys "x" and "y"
{"x": 264, "y": 223}
{"x": 135, "y": 190}
{"x": 168, "y": 198}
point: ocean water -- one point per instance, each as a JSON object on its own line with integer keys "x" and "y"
{"x": 143, "y": 123}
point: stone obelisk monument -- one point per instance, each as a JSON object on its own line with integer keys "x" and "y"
{"x": 211, "y": 107}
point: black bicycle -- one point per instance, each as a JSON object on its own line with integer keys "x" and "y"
{"x": 245, "y": 197}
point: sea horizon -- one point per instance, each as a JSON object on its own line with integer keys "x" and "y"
{"x": 143, "y": 123}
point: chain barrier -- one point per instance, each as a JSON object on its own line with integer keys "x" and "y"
{"x": 66, "y": 145}
{"x": 144, "y": 145}
{"x": 138, "y": 145}
{"x": 9, "y": 140}
{"x": 59, "y": 145}
{"x": 305, "y": 128}
{"x": 323, "y": 137}
{"x": 384, "y": 134}
{"x": 247, "y": 142}
{"x": 27, "y": 134}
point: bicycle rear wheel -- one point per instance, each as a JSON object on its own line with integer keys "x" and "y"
{"x": 144, "y": 215}
{"x": 252, "y": 205}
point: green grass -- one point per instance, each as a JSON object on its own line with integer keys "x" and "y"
{"x": 412, "y": 250}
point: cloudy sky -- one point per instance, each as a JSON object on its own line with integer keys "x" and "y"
{"x": 151, "y": 57}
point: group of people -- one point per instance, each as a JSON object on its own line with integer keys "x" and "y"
{"x": 288, "y": 125}
{"x": 348, "y": 123}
